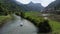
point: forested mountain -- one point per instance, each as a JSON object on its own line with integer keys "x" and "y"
{"x": 12, "y": 5}
{"x": 53, "y": 7}
{"x": 9, "y": 5}
{"x": 32, "y": 6}
{"x": 55, "y": 4}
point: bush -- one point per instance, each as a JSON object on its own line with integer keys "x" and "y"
{"x": 44, "y": 27}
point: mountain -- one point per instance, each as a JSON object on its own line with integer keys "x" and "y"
{"x": 32, "y": 6}
{"x": 12, "y": 5}
{"x": 54, "y": 4}
{"x": 53, "y": 7}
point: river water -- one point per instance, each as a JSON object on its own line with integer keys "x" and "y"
{"x": 13, "y": 27}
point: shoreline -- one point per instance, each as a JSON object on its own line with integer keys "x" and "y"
{"x": 7, "y": 18}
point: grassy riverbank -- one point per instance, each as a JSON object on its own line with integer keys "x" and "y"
{"x": 3, "y": 19}
{"x": 34, "y": 17}
{"x": 37, "y": 20}
{"x": 55, "y": 26}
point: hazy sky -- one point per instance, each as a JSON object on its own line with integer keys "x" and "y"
{"x": 43, "y": 2}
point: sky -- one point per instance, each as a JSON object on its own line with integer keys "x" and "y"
{"x": 43, "y": 2}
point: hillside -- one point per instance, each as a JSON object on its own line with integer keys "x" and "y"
{"x": 53, "y": 7}
{"x": 12, "y": 5}
{"x": 9, "y": 5}
{"x": 32, "y": 6}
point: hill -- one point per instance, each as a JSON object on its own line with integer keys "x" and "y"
{"x": 53, "y": 7}
{"x": 32, "y": 6}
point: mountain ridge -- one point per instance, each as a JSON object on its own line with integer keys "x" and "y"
{"x": 32, "y": 6}
{"x": 53, "y": 7}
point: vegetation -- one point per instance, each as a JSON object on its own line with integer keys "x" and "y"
{"x": 55, "y": 26}
{"x": 9, "y": 7}
{"x": 32, "y": 17}
{"x": 53, "y": 8}
{"x": 38, "y": 20}
{"x": 3, "y": 19}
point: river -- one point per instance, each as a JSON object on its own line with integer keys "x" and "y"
{"x": 13, "y": 27}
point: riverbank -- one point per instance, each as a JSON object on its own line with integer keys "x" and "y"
{"x": 55, "y": 23}
{"x": 4, "y": 19}
{"x": 55, "y": 26}
{"x": 13, "y": 26}
{"x": 33, "y": 17}
{"x": 39, "y": 21}
{"x": 36, "y": 19}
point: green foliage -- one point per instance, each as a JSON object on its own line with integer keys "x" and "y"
{"x": 3, "y": 19}
{"x": 55, "y": 26}
{"x": 9, "y": 7}
{"x": 39, "y": 21}
{"x": 34, "y": 17}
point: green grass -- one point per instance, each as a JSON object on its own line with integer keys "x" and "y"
{"x": 34, "y": 17}
{"x": 3, "y": 19}
{"x": 55, "y": 26}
